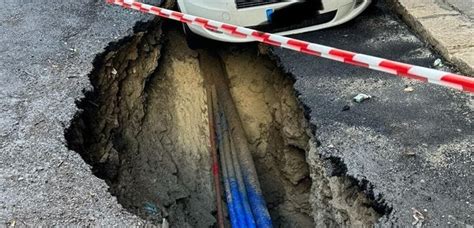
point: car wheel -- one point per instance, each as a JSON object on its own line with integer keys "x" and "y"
{"x": 194, "y": 41}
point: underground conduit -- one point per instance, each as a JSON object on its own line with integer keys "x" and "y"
{"x": 242, "y": 189}
{"x": 245, "y": 160}
{"x": 234, "y": 214}
{"x": 241, "y": 216}
{"x": 211, "y": 107}
{"x": 238, "y": 188}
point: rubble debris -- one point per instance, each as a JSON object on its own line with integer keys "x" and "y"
{"x": 150, "y": 208}
{"x": 408, "y": 152}
{"x": 361, "y": 97}
{"x": 438, "y": 63}
{"x": 419, "y": 218}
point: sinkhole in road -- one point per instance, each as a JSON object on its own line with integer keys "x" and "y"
{"x": 144, "y": 130}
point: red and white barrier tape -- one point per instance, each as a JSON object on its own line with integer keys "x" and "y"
{"x": 401, "y": 69}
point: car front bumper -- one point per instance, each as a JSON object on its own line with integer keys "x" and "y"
{"x": 227, "y": 14}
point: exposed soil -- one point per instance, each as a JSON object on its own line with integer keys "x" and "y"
{"x": 144, "y": 130}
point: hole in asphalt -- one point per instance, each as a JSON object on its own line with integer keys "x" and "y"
{"x": 144, "y": 130}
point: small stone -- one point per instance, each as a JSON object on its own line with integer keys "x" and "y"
{"x": 292, "y": 132}
{"x": 164, "y": 223}
{"x": 146, "y": 48}
{"x": 409, "y": 89}
{"x": 438, "y": 63}
{"x": 114, "y": 71}
{"x": 262, "y": 149}
{"x": 409, "y": 152}
{"x": 293, "y": 166}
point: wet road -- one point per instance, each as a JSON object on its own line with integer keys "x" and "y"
{"x": 415, "y": 148}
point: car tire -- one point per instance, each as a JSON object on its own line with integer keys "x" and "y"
{"x": 194, "y": 41}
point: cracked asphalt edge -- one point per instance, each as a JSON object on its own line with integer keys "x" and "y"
{"x": 412, "y": 147}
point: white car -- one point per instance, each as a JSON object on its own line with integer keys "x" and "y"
{"x": 276, "y": 16}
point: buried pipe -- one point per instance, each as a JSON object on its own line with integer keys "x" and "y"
{"x": 230, "y": 199}
{"x": 249, "y": 174}
{"x": 215, "y": 74}
{"x": 215, "y": 161}
{"x": 242, "y": 190}
{"x": 238, "y": 205}
{"x": 234, "y": 188}
{"x": 237, "y": 185}
{"x": 225, "y": 174}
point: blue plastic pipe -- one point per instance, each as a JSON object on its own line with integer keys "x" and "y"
{"x": 237, "y": 184}
{"x": 249, "y": 174}
{"x": 248, "y": 202}
{"x": 242, "y": 190}
{"x": 258, "y": 205}
{"x": 225, "y": 175}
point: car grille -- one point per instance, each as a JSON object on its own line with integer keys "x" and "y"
{"x": 252, "y": 3}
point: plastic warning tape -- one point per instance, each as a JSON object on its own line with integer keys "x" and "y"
{"x": 401, "y": 69}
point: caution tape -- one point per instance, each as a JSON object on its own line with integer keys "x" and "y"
{"x": 451, "y": 80}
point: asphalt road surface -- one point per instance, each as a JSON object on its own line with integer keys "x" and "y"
{"x": 46, "y": 53}
{"x": 414, "y": 148}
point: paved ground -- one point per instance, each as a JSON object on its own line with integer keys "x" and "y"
{"x": 47, "y": 51}
{"x": 415, "y": 148}
{"x": 466, "y": 7}
{"x": 448, "y": 25}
